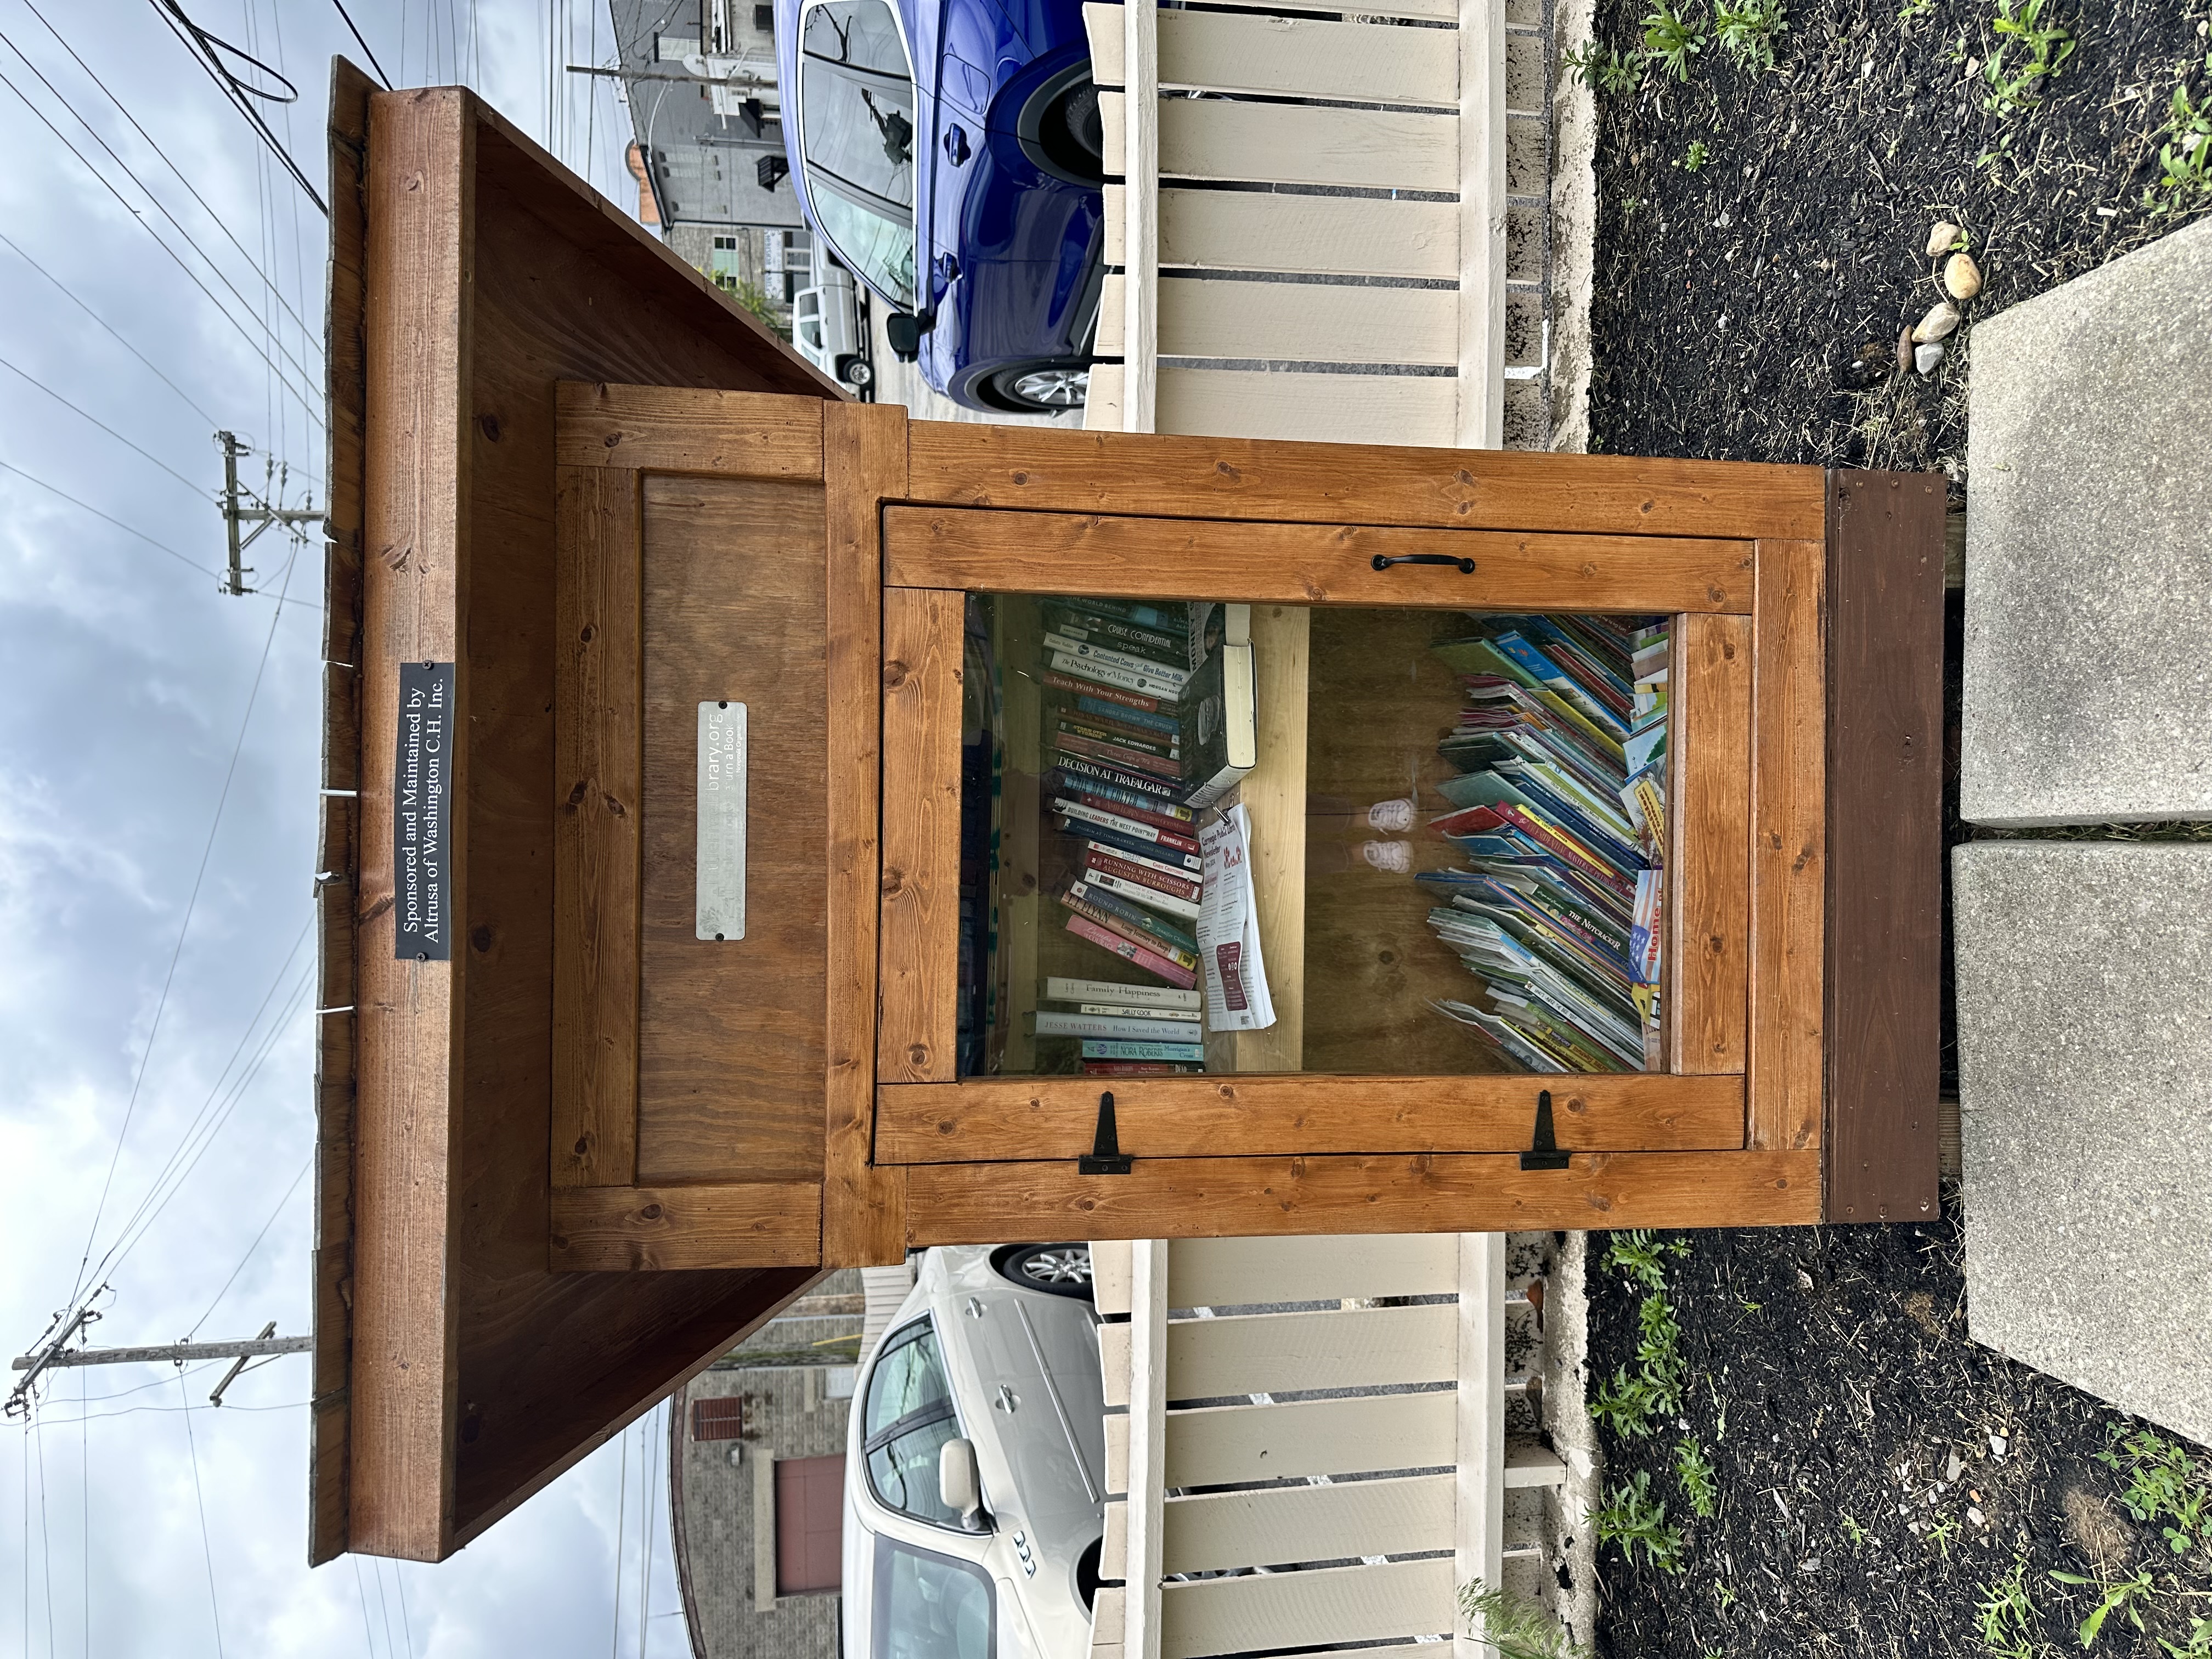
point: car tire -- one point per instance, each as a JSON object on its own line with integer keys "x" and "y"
{"x": 1061, "y": 129}
{"x": 1046, "y": 386}
{"x": 1062, "y": 1269}
{"x": 856, "y": 371}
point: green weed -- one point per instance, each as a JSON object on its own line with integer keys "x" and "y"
{"x": 1633, "y": 1403}
{"x": 1635, "y": 1520}
{"x": 1943, "y": 1533}
{"x": 1913, "y": 9}
{"x": 1516, "y": 1628}
{"x": 1747, "y": 31}
{"x": 2028, "y": 51}
{"x": 1641, "y": 1256}
{"x": 2165, "y": 1488}
{"x": 1695, "y": 1472}
{"x": 1852, "y": 1530}
{"x": 1671, "y": 39}
{"x": 1696, "y": 156}
{"x": 1606, "y": 70}
{"x": 2119, "y": 1596}
{"x": 2009, "y": 1618}
{"x": 2185, "y": 159}
{"x": 2200, "y": 1642}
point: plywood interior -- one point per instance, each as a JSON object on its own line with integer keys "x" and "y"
{"x": 1378, "y": 702}
{"x": 734, "y": 608}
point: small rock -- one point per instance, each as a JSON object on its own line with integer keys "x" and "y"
{"x": 1804, "y": 1279}
{"x": 1938, "y": 325}
{"x": 1962, "y": 278}
{"x": 1975, "y": 1516}
{"x": 1955, "y": 1468}
{"x": 1942, "y": 239}
{"x": 1925, "y": 357}
{"x": 1997, "y": 1443}
{"x": 1904, "y": 347}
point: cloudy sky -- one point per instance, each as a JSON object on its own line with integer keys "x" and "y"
{"x": 157, "y": 784}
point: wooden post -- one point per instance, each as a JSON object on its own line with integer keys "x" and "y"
{"x": 1140, "y": 235}
{"x": 1479, "y": 1544}
{"x": 1148, "y": 1444}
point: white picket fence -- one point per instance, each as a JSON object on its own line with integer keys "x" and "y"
{"x": 1239, "y": 1521}
{"x": 1326, "y": 228}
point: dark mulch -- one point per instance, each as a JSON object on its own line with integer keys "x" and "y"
{"x": 1832, "y": 1385}
{"x": 1730, "y": 302}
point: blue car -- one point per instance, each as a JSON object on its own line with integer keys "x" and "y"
{"x": 949, "y": 153}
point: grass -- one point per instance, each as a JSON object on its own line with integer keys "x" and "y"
{"x": 1606, "y": 70}
{"x": 1640, "y": 1256}
{"x": 1695, "y": 1472}
{"x": 1635, "y": 1520}
{"x": 1634, "y": 1402}
{"x": 2121, "y": 1595}
{"x": 1942, "y": 1533}
{"x": 1696, "y": 156}
{"x": 1746, "y": 32}
{"x": 1671, "y": 39}
{"x": 2185, "y": 159}
{"x": 2165, "y": 1487}
{"x": 2009, "y": 1619}
{"x": 1516, "y": 1628}
{"x": 2028, "y": 52}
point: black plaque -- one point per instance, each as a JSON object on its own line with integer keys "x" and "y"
{"x": 422, "y": 814}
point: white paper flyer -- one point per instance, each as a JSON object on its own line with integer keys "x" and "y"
{"x": 1236, "y": 997}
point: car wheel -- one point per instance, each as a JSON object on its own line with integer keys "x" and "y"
{"x": 1039, "y": 388}
{"x": 1060, "y": 1269}
{"x": 856, "y": 371}
{"x": 1060, "y": 128}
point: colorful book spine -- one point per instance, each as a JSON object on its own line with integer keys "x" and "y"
{"x": 1060, "y": 990}
{"x": 1099, "y": 708}
{"x": 1117, "y": 1048}
{"x": 1136, "y": 955}
{"x": 1137, "y": 893}
{"x": 1093, "y": 689}
{"x": 1128, "y": 803}
{"x": 1143, "y": 1068}
{"x": 1132, "y": 921}
{"x": 1104, "y": 674}
{"x": 1136, "y": 783}
{"x": 1128, "y": 662}
{"x": 1180, "y": 1016}
{"x": 1129, "y": 866}
{"x": 1116, "y": 756}
{"x": 1130, "y": 1027}
{"x": 1077, "y": 622}
{"x": 1130, "y": 827}
{"x": 1126, "y": 736}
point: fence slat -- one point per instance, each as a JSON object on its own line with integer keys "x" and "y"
{"x": 1480, "y": 41}
{"x": 1109, "y": 1276}
{"x": 1102, "y": 24}
{"x": 1302, "y": 322}
{"x": 1321, "y": 235}
{"x": 1307, "y": 58}
{"x": 1256, "y": 1353}
{"x": 1352, "y": 409}
{"x": 1478, "y": 1541}
{"x": 1225, "y": 1445}
{"x": 1297, "y": 143}
{"x": 1335, "y": 1604}
{"x": 1228, "y": 1272}
{"x": 1280, "y": 1525}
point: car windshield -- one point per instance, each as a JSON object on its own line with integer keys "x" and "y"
{"x": 929, "y": 1607}
{"x": 907, "y": 1418}
{"x": 857, "y": 132}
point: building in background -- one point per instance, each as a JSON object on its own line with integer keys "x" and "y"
{"x": 707, "y": 143}
{"x": 757, "y": 1474}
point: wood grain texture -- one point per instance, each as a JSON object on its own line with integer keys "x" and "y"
{"x": 1885, "y": 937}
{"x": 732, "y": 1046}
{"x": 657, "y": 429}
{"x": 863, "y": 1215}
{"x": 1480, "y": 44}
{"x": 1229, "y": 1197}
{"x": 664, "y": 1229}
{"x": 1011, "y": 1120}
{"x": 417, "y": 319}
{"x": 599, "y": 795}
{"x": 1789, "y": 873}
{"x": 922, "y": 673}
{"x": 1711, "y": 707}
{"x": 1310, "y": 564}
{"x": 1308, "y": 322}
{"x": 338, "y": 849}
{"x": 1047, "y": 470}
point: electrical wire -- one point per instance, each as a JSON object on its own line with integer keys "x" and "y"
{"x": 204, "y": 44}
{"x": 621, "y": 1514}
{"x": 383, "y": 1602}
{"x": 74, "y": 409}
{"x": 368, "y": 1631}
{"x": 645, "y": 1554}
{"x": 46, "y": 1545}
{"x": 406, "y": 1623}
{"x": 207, "y": 1543}
{"x": 254, "y": 1246}
{"x": 362, "y": 41}
{"x": 118, "y": 340}
{"x": 205, "y": 570}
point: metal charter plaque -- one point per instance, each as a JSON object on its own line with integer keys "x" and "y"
{"x": 720, "y": 866}
{"x": 423, "y": 815}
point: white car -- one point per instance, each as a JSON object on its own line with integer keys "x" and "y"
{"x": 976, "y": 1464}
{"x": 826, "y": 325}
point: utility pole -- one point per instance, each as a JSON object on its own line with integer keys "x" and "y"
{"x": 53, "y": 1356}
{"x": 241, "y": 506}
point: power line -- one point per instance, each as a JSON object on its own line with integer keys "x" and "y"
{"x": 306, "y": 334}
{"x": 204, "y": 569}
{"x": 254, "y": 1246}
{"x": 207, "y": 1543}
{"x": 204, "y": 46}
{"x": 97, "y": 318}
{"x": 74, "y": 409}
{"x": 102, "y": 179}
{"x": 363, "y": 40}
{"x": 368, "y": 1633}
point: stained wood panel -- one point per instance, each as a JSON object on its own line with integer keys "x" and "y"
{"x": 1226, "y": 1197}
{"x": 648, "y": 1229}
{"x": 919, "y": 964}
{"x": 598, "y": 754}
{"x": 984, "y": 1120}
{"x": 1233, "y": 479}
{"x": 1885, "y": 863}
{"x": 1310, "y": 564}
{"x": 1711, "y": 854}
{"x": 730, "y": 1085}
{"x": 1788, "y": 849}
{"x": 736, "y": 434}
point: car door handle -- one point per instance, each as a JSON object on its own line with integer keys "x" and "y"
{"x": 955, "y": 143}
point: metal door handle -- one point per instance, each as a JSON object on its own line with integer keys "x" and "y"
{"x": 1384, "y": 560}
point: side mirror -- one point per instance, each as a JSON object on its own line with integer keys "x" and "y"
{"x": 959, "y": 1484}
{"x": 904, "y": 330}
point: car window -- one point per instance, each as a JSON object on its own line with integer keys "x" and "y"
{"x": 871, "y": 242}
{"x": 908, "y": 1380}
{"x": 902, "y": 1471}
{"x": 857, "y": 134}
{"x": 929, "y": 1607}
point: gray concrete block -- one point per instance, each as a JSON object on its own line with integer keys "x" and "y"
{"x": 2088, "y": 682}
{"x": 2085, "y": 1093}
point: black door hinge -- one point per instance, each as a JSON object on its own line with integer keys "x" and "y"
{"x": 1105, "y": 1156}
{"x": 1544, "y": 1151}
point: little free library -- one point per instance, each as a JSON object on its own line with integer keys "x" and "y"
{"x": 762, "y": 833}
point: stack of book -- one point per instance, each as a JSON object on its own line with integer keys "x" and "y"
{"x": 1126, "y": 1031}
{"x": 1561, "y": 842}
{"x": 1149, "y": 717}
